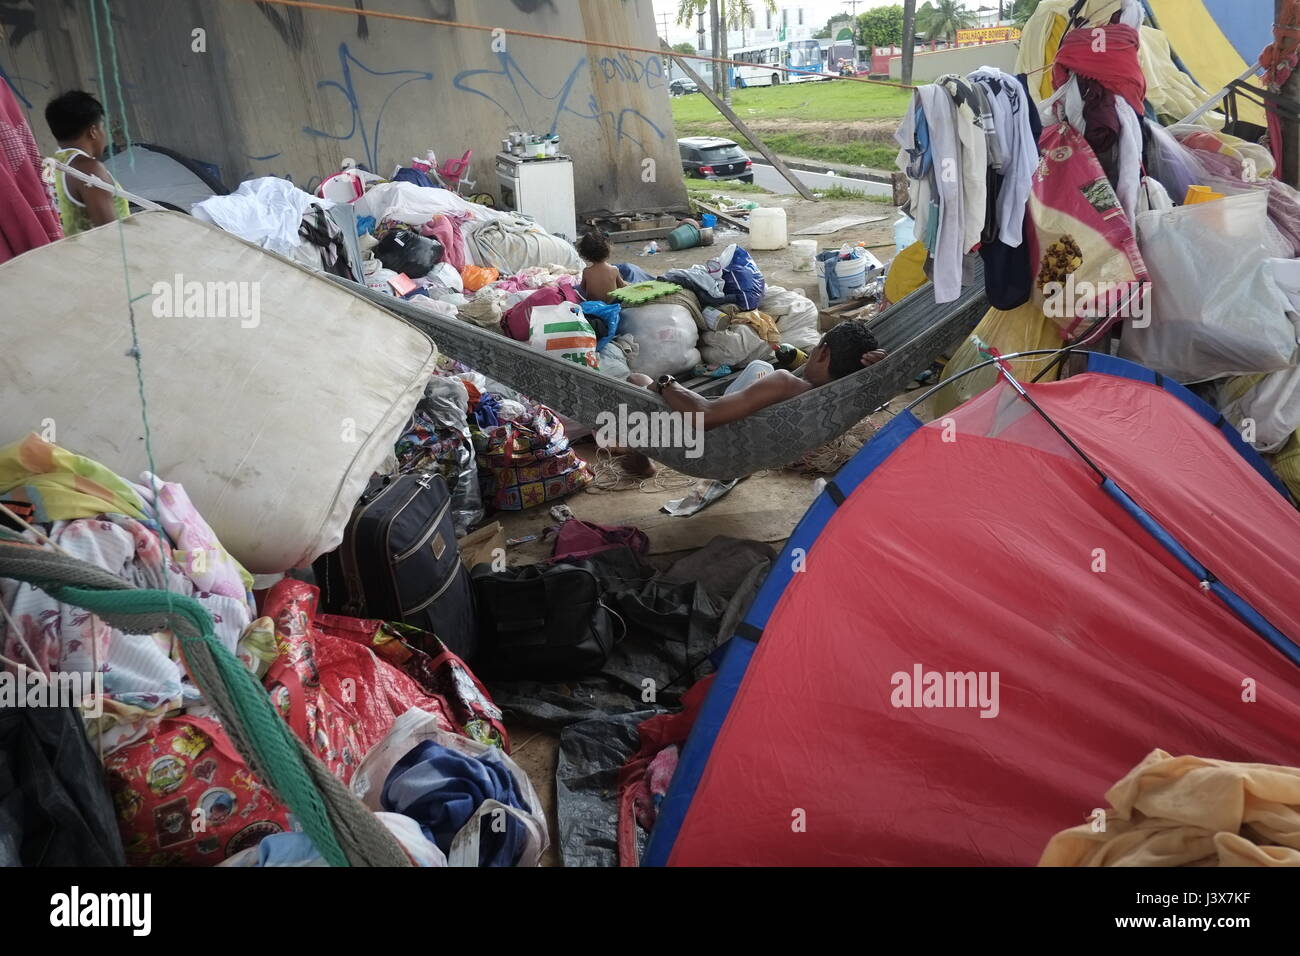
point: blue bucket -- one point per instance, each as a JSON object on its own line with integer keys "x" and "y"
{"x": 708, "y": 220}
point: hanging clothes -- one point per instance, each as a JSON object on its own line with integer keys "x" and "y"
{"x": 27, "y": 215}
{"x": 974, "y": 157}
{"x": 1107, "y": 54}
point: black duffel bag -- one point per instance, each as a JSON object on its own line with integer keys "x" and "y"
{"x": 542, "y": 622}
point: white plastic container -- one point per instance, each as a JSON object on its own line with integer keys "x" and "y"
{"x": 767, "y": 229}
{"x": 803, "y": 255}
{"x": 904, "y": 233}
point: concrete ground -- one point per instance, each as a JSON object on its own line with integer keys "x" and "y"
{"x": 765, "y": 506}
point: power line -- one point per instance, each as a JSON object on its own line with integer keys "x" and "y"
{"x": 581, "y": 41}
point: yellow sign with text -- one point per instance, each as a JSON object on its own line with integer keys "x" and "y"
{"x": 987, "y": 34}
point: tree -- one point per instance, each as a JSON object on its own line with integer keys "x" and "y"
{"x": 941, "y": 20}
{"x": 1022, "y": 11}
{"x": 881, "y": 27}
{"x": 686, "y": 49}
{"x": 825, "y": 32}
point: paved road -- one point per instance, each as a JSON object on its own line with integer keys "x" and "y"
{"x": 769, "y": 178}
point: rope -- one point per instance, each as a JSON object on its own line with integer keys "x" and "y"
{"x": 431, "y": 21}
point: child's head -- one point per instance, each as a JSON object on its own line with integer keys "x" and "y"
{"x": 594, "y": 246}
{"x": 74, "y": 114}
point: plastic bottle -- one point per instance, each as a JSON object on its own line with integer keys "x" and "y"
{"x": 651, "y": 248}
{"x": 904, "y": 229}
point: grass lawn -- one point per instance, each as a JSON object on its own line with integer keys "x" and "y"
{"x": 829, "y": 101}
{"x": 839, "y": 121}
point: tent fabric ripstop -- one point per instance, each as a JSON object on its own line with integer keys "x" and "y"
{"x": 971, "y": 544}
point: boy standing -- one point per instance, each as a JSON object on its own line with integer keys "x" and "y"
{"x": 76, "y": 120}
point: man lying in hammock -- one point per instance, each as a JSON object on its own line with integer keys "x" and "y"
{"x": 844, "y": 349}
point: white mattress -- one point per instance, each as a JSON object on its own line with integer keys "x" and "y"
{"x": 273, "y": 428}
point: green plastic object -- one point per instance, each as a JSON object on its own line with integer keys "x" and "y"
{"x": 685, "y": 236}
{"x": 640, "y": 293}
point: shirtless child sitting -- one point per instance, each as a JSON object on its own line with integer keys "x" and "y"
{"x": 599, "y": 279}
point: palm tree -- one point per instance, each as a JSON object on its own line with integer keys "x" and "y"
{"x": 942, "y": 19}
{"x": 1022, "y": 10}
{"x": 731, "y": 14}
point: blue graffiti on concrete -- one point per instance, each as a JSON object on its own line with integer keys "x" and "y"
{"x": 532, "y": 109}
{"x": 369, "y": 133}
{"x": 16, "y": 82}
{"x": 632, "y": 70}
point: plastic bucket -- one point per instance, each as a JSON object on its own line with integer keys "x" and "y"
{"x": 803, "y": 255}
{"x": 684, "y": 236}
{"x": 708, "y": 220}
{"x": 767, "y": 228}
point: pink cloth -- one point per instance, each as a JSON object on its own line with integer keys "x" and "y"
{"x": 446, "y": 229}
{"x": 28, "y": 217}
{"x": 517, "y": 320}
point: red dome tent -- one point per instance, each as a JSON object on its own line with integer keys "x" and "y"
{"x": 1076, "y": 616}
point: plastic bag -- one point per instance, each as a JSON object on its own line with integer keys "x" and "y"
{"x": 741, "y": 277}
{"x": 1081, "y": 246}
{"x": 445, "y": 274}
{"x": 476, "y": 277}
{"x": 796, "y": 316}
{"x": 562, "y": 331}
{"x": 1215, "y": 308}
{"x": 613, "y": 362}
{"x": 1022, "y": 329}
{"x": 666, "y": 337}
{"x": 413, "y": 728}
{"x": 409, "y": 252}
{"x": 735, "y": 345}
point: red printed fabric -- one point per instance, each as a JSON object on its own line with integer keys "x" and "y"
{"x": 184, "y": 797}
{"x": 433, "y": 665}
{"x": 337, "y": 695}
{"x": 1082, "y": 250}
{"x": 1107, "y": 54}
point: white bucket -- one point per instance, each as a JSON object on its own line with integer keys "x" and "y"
{"x": 852, "y": 272}
{"x": 767, "y": 228}
{"x": 803, "y": 255}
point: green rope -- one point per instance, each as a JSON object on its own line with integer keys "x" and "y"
{"x": 273, "y": 744}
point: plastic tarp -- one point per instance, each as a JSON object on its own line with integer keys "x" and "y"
{"x": 1104, "y": 642}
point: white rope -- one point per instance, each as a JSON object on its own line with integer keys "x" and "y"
{"x": 52, "y": 163}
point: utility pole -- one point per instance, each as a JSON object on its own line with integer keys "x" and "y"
{"x": 723, "y": 29}
{"x": 663, "y": 24}
{"x": 713, "y": 47}
{"x": 909, "y": 40}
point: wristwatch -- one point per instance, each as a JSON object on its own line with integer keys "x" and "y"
{"x": 664, "y": 382}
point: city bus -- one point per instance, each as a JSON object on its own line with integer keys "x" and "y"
{"x": 802, "y": 58}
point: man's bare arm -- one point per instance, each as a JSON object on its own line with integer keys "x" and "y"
{"x": 768, "y": 390}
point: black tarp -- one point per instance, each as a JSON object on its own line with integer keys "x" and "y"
{"x": 675, "y": 621}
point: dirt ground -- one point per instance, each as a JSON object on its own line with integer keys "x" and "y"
{"x": 765, "y": 506}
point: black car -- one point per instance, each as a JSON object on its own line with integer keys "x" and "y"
{"x": 682, "y": 87}
{"x": 712, "y": 157}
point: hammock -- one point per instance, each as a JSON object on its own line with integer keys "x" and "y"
{"x": 914, "y": 332}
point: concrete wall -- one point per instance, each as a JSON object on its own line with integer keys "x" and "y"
{"x": 927, "y": 67}
{"x": 289, "y": 92}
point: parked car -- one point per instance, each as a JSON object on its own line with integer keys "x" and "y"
{"x": 682, "y": 87}
{"x": 712, "y": 157}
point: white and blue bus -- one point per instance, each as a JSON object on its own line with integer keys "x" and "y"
{"x": 800, "y": 61}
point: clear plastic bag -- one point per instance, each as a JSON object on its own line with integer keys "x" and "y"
{"x": 1215, "y": 308}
